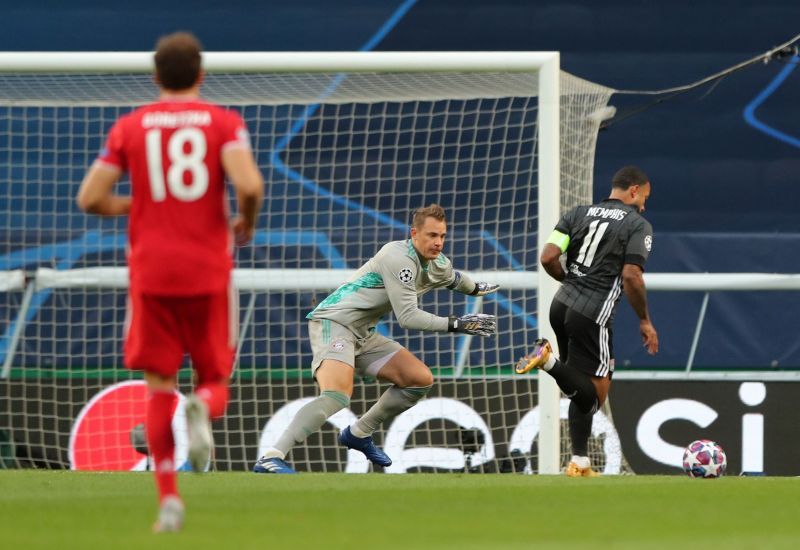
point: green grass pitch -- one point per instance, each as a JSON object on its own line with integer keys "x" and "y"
{"x": 62, "y": 510}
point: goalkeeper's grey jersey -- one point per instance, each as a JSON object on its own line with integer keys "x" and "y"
{"x": 393, "y": 279}
{"x": 602, "y": 238}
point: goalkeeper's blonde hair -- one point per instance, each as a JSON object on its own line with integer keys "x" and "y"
{"x": 433, "y": 210}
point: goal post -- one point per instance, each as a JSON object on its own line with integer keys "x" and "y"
{"x": 548, "y": 214}
{"x": 349, "y": 143}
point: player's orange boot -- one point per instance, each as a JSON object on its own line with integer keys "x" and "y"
{"x": 537, "y": 358}
{"x": 573, "y": 470}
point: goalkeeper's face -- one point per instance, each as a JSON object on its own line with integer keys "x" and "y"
{"x": 428, "y": 239}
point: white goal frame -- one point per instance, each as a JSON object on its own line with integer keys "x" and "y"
{"x": 545, "y": 64}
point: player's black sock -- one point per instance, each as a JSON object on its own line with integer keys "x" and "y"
{"x": 580, "y": 428}
{"x": 576, "y": 385}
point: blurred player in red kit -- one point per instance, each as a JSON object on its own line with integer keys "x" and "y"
{"x": 178, "y": 152}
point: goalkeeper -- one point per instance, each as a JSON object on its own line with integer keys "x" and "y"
{"x": 345, "y": 343}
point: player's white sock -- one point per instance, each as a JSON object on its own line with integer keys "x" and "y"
{"x": 582, "y": 462}
{"x": 272, "y": 452}
{"x": 550, "y": 363}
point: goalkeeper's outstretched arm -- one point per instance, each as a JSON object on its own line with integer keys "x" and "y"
{"x": 465, "y": 285}
{"x": 403, "y": 297}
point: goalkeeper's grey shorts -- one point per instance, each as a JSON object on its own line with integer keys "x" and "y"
{"x": 330, "y": 340}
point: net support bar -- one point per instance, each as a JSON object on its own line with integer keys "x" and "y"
{"x": 697, "y": 329}
{"x": 12, "y": 280}
{"x": 17, "y": 329}
{"x": 265, "y": 280}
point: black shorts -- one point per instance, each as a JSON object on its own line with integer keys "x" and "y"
{"x": 582, "y": 343}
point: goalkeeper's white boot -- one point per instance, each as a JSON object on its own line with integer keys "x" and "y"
{"x": 170, "y": 515}
{"x": 537, "y": 358}
{"x": 199, "y": 427}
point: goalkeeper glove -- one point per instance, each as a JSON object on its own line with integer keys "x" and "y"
{"x": 480, "y": 324}
{"x": 482, "y": 289}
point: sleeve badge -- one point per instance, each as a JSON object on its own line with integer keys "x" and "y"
{"x": 406, "y": 276}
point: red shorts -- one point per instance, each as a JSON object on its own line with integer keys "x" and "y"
{"x": 161, "y": 329}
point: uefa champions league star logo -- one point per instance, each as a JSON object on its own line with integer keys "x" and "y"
{"x": 405, "y": 275}
{"x": 648, "y": 242}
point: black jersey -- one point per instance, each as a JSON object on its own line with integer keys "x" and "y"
{"x": 602, "y": 238}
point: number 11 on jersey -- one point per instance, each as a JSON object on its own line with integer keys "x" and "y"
{"x": 591, "y": 242}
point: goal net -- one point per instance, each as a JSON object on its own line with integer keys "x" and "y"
{"x": 347, "y": 155}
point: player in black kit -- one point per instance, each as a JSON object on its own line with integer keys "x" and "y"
{"x": 606, "y": 246}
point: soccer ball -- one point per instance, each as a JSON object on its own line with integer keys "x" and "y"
{"x": 704, "y": 458}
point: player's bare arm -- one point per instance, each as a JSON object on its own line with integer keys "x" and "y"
{"x": 551, "y": 262}
{"x": 96, "y": 194}
{"x": 635, "y": 291}
{"x": 241, "y": 169}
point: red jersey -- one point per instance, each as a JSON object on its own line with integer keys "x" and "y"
{"x": 180, "y": 243}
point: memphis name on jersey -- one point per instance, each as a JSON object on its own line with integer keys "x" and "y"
{"x": 605, "y": 213}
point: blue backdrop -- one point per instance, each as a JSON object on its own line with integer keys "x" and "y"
{"x": 724, "y": 161}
